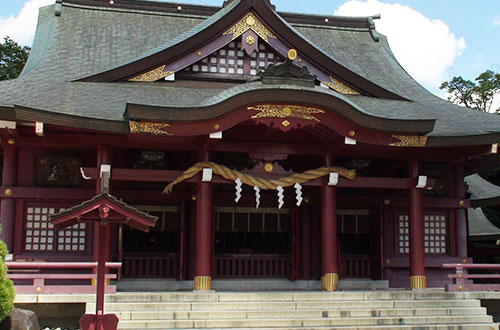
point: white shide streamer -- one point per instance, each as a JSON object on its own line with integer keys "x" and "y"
{"x": 238, "y": 190}
{"x": 257, "y": 196}
{"x": 298, "y": 193}
{"x": 280, "y": 197}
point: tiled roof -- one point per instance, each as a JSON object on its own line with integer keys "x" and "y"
{"x": 87, "y": 40}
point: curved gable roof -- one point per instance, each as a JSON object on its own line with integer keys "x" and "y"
{"x": 218, "y": 24}
{"x": 91, "y": 37}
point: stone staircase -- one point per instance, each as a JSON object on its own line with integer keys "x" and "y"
{"x": 298, "y": 310}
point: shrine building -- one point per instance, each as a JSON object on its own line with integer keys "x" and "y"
{"x": 269, "y": 145}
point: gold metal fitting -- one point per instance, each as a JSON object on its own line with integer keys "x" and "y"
{"x": 198, "y": 53}
{"x": 387, "y": 201}
{"x": 250, "y": 21}
{"x": 179, "y": 8}
{"x": 111, "y": 2}
{"x": 216, "y": 126}
{"x": 38, "y": 290}
{"x": 418, "y": 282}
{"x": 329, "y": 281}
{"x": 8, "y": 192}
{"x": 202, "y": 283}
{"x": 268, "y": 167}
{"x": 460, "y": 288}
{"x": 11, "y": 141}
{"x": 194, "y": 197}
{"x": 326, "y": 20}
{"x": 464, "y": 261}
{"x": 292, "y": 54}
{"x": 388, "y": 262}
{"x": 250, "y": 40}
{"x": 299, "y": 60}
{"x": 352, "y": 133}
{"x": 461, "y": 203}
{"x": 285, "y": 123}
{"x": 307, "y": 200}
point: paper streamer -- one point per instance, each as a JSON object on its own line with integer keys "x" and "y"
{"x": 281, "y": 196}
{"x": 257, "y": 196}
{"x": 298, "y": 193}
{"x": 238, "y": 189}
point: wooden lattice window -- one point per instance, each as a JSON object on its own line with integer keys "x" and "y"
{"x": 404, "y": 234}
{"x": 40, "y": 235}
{"x": 231, "y": 60}
{"x": 435, "y": 234}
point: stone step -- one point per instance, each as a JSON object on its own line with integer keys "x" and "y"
{"x": 392, "y": 327}
{"x": 282, "y": 296}
{"x": 284, "y": 305}
{"x": 307, "y": 323}
{"x": 298, "y": 314}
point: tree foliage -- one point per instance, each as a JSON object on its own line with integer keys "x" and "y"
{"x": 477, "y": 94}
{"x": 12, "y": 58}
{"x": 6, "y": 287}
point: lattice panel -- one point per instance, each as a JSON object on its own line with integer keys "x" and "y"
{"x": 40, "y": 236}
{"x": 434, "y": 234}
{"x": 39, "y": 233}
{"x": 404, "y": 234}
{"x": 231, "y": 60}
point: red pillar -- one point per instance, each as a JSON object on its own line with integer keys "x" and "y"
{"x": 8, "y": 205}
{"x": 329, "y": 262}
{"x": 203, "y": 252}
{"x": 104, "y": 155}
{"x": 306, "y": 242}
{"x": 460, "y": 219}
{"x": 416, "y": 227}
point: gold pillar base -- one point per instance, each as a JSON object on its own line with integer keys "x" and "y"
{"x": 329, "y": 281}
{"x": 202, "y": 283}
{"x": 94, "y": 281}
{"x": 418, "y": 282}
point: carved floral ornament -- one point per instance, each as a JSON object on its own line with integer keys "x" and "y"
{"x": 340, "y": 87}
{"x": 409, "y": 141}
{"x": 149, "y": 128}
{"x": 285, "y": 111}
{"x": 153, "y": 75}
{"x": 250, "y": 22}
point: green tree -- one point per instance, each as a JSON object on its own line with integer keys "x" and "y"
{"x": 12, "y": 58}
{"x": 476, "y": 94}
{"x": 6, "y": 287}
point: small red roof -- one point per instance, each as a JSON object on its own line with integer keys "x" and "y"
{"x": 104, "y": 206}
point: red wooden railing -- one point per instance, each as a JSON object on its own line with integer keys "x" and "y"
{"x": 462, "y": 281}
{"x": 252, "y": 265}
{"x": 148, "y": 266}
{"x": 31, "y": 277}
{"x": 355, "y": 266}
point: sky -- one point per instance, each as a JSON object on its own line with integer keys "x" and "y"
{"x": 434, "y": 40}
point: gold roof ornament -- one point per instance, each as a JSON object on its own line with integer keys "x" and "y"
{"x": 340, "y": 87}
{"x": 285, "y": 111}
{"x": 409, "y": 141}
{"x": 292, "y": 54}
{"x": 153, "y": 75}
{"x": 250, "y": 22}
{"x": 149, "y": 128}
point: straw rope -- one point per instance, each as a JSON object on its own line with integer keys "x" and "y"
{"x": 262, "y": 183}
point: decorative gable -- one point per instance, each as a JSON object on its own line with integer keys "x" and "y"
{"x": 241, "y": 51}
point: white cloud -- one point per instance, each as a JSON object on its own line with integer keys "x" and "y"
{"x": 425, "y": 47}
{"x": 21, "y": 28}
{"x": 496, "y": 103}
{"x": 496, "y": 21}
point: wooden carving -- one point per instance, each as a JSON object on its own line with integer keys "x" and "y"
{"x": 58, "y": 171}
